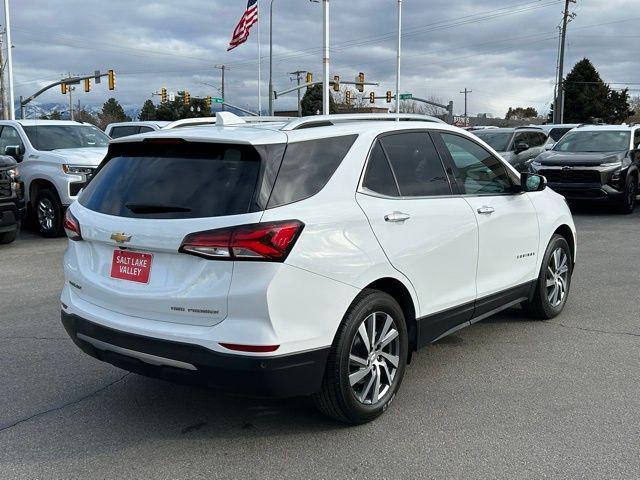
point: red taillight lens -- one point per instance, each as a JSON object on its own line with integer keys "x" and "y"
{"x": 72, "y": 227}
{"x": 259, "y": 241}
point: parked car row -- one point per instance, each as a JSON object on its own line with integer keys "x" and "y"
{"x": 581, "y": 162}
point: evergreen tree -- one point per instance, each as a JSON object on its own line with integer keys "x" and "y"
{"x": 521, "y": 113}
{"x": 312, "y": 101}
{"x": 148, "y": 111}
{"x": 112, "y": 112}
{"x": 177, "y": 110}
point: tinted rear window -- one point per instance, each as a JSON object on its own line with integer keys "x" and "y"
{"x": 307, "y": 167}
{"x": 219, "y": 181}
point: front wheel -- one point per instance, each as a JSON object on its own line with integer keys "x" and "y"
{"x": 48, "y": 214}
{"x": 552, "y": 287}
{"x": 628, "y": 200}
{"x": 367, "y": 360}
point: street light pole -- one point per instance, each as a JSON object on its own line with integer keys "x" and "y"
{"x": 271, "y": 58}
{"x": 7, "y": 19}
{"x": 399, "y": 56}
{"x": 325, "y": 60}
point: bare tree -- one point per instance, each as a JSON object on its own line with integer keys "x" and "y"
{"x": 358, "y": 100}
{"x": 635, "y": 106}
{"x": 411, "y": 106}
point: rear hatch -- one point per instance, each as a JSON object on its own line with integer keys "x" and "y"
{"x": 141, "y": 204}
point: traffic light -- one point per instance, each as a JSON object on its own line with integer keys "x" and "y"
{"x": 186, "y": 97}
{"x": 207, "y": 102}
{"x": 63, "y": 88}
{"x": 87, "y": 85}
{"x": 360, "y": 85}
{"x": 336, "y": 83}
{"x": 309, "y": 77}
{"x": 111, "y": 75}
{"x": 347, "y": 97}
{"x": 389, "y": 96}
{"x": 372, "y": 97}
{"x": 163, "y": 95}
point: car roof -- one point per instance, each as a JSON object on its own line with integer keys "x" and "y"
{"x": 157, "y": 123}
{"x": 599, "y": 128}
{"x": 38, "y": 122}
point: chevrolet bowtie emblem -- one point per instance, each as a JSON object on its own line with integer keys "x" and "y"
{"x": 120, "y": 237}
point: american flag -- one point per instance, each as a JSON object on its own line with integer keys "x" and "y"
{"x": 249, "y": 18}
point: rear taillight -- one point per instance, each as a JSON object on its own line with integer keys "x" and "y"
{"x": 72, "y": 227}
{"x": 267, "y": 242}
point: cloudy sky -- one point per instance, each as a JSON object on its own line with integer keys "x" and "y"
{"x": 505, "y": 51}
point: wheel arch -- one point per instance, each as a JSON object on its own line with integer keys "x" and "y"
{"x": 38, "y": 184}
{"x": 565, "y": 231}
{"x": 400, "y": 292}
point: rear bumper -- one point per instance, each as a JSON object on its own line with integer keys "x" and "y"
{"x": 277, "y": 376}
{"x": 586, "y": 191}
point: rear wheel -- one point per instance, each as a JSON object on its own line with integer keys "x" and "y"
{"x": 628, "y": 201}
{"x": 552, "y": 288}
{"x": 367, "y": 360}
{"x": 48, "y": 213}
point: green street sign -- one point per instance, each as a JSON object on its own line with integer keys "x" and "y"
{"x": 217, "y": 100}
{"x": 406, "y": 96}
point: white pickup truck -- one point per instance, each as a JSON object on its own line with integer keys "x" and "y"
{"x": 56, "y": 157}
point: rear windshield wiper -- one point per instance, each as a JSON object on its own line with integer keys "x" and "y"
{"x": 155, "y": 208}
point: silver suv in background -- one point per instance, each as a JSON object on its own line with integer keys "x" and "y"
{"x": 518, "y": 146}
{"x": 126, "y": 129}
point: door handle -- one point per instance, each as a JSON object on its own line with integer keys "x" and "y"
{"x": 397, "y": 217}
{"x": 484, "y": 210}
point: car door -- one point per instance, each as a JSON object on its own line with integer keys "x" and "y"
{"x": 507, "y": 222}
{"x": 427, "y": 233}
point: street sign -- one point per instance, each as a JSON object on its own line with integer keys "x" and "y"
{"x": 406, "y": 96}
{"x": 217, "y": 100}
{"x": 172, "y": 96}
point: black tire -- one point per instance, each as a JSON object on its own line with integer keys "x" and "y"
{"x": 337, "y": 398}
{"x": 48, "y": 214}
{"x": 628, "y": 200}
{"x": 8, "y": 237}
{"x": 541, "y": 307}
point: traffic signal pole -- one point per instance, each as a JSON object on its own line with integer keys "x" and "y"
{"x": 558, "y": 109}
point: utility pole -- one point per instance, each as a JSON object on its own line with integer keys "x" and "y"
{"x": 325, "y": 59}
{"x": 70, "y": 90}
{"x": 558, "y": 109}
{"x": 466, "y": 117}
{"x": 7, "y": 19}
{"x": 3, "y": 96}
{"x": 222, "y": 69}
{"x": 399, "y": 56}
{"x": 298, "y": 75}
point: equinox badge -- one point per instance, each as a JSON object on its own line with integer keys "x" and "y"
{"x": 120, "y": 237}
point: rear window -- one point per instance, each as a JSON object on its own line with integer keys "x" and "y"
{"x": 215, "y": 181}
{"x": 307, "y": 167}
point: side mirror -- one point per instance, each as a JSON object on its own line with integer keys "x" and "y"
{"x": 521, "y": 147}
{"x": 532, "y": 182}
{"x": 14, "y": 151}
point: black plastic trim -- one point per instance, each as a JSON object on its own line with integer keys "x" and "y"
{"x": 276, "y": 376}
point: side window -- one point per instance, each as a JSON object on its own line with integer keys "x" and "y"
{"x": 416, "y": 164}
{"x": 307, "y": 167}
{"x": 636, "y": 139}
{"x": 146, "y": 129}
{"x": 522, "y": 137}
{"x": 477, "y": 171}
{"x": 10, "y": 138}
{"x": 124, "y": 131}
{"x": 379, "y": 177}
{"x": 541, "y": 139}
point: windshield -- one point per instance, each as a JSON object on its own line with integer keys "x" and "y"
{"x": 54, "y": 137}
{"x": 594, "y": 141}
{"x": 499, "y": 141}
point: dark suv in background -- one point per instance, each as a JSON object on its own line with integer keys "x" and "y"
{"x": 12, "y": 206}
{"x": 518, "y": 146}
{"x": 595, "y": 162}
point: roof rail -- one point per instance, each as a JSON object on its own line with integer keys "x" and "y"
{"x": 528, "y": 126}
{"x": 326, "y": 120}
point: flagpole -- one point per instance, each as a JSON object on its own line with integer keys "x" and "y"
{"x": 259, "y": 65}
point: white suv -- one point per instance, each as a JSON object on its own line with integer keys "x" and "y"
{"x": 56, "y": 158}
{"x": 310, "y": 258}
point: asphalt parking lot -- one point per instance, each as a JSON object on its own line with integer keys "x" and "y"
{"x": 506, "y": 398}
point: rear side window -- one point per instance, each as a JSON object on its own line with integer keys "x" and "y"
{"x": 124, "y": 131}
{"x": 379, "y": 177}
{"x": 307, "y": 167}
{"x": 214, "y": 181}
{"x": 416, "y": 164}
{"x": 146, "y": 129}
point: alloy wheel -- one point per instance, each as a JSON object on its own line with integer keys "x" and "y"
{"x": 46, "y": 214}
{"x": 373, "y": 358}
{"x": 557, "y": 277}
